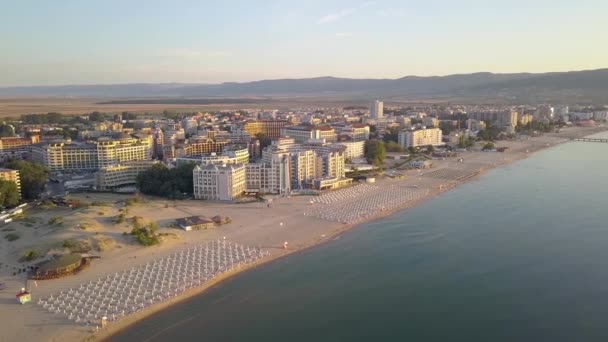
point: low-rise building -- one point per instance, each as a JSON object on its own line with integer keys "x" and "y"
{"x": 12, "y": 176}
{"x": 117, "y": 176}
{"x": 195, "y": 223}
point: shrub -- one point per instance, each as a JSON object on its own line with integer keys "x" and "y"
{"x": 145, "y": 236}
{"x": 55, "y": 220}
{"x": 12, "y": 236}
{"x": 31, "y": 255}
{"x": 120, "y": 218}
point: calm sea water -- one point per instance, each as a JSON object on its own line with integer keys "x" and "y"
{"x": 519, "y": 255}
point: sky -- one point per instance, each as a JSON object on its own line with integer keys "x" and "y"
{"x": 197, "y": 41}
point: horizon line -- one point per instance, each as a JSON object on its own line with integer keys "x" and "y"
{"x": 286, "y": 79}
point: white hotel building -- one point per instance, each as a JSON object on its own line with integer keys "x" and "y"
{"x": 219, "y": 182}
{"x": 421, "y": 138}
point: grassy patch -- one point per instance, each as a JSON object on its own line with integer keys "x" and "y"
{"x": 77, "y": 246}
{"x": 31, "y": 255}
{"x": 104, "y": 244}
{"x": 120, "y": 218}
{"x": 55, "y": 220}
{"x": 48, "y": 205}
{"x": 100, "y": 204}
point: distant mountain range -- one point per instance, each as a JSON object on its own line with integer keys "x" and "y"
{"x": 580, "y": 86}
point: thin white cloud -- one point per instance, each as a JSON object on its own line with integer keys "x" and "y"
{"x": 392, "y": 12}
{"x": 333, "y": 17}
{"x": 330, "y": 18}
{"x": 194, "y": 53}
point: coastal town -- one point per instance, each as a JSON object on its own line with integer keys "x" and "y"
{"x": 95, "y": 203}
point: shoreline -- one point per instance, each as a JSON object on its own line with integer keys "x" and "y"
{"x": 305, "y": 232}
{"x": 128, "y": 322}
{"x": 132, "y": 320}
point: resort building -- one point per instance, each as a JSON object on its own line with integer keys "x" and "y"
{"x": 269, "y": 128}
{"x": 218, "y": 182}
{"x": 15, "y": 147}
{"x": 203, "y": 146}
{"x": 429, "y": 121}
{"x": 272, "y": 178}
{"x": 296, "y": 167}
{"x": 506, "y": 119}
{"x": 304, "y": 133}
{"x": 118, "y": 176}
{"x": 353, "y": 149}
{"x": 421, "y": 138}
{"x": 474, "y": 125}
{"x": 241, "y": 154}
{"x": 12, "y": 176}
{"x": 356, "y": 131}
{"x": 92, "y": 156}
{"x": 525, "y": 119}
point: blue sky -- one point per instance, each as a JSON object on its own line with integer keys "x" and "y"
{"x": 89, "y": 42}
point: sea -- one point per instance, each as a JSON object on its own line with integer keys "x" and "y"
{"x": 521, "y": 254}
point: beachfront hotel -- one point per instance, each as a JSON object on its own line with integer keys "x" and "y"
{"x": 218, "y": 182}
{"x": 296, "y": 167}
{"x": 118, "y": 176}
{"x": 421, "y": 138}
{"x": 104, "y": 152}
{"x": 12, "y": 176}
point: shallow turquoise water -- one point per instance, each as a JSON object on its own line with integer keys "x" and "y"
{"x": 519, "y": 255}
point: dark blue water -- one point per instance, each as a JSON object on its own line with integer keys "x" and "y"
{"x": 520, "y": 255}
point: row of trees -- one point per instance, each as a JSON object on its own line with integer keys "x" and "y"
{"x": 9, "y": 194}
{"x": 33, "y": 176}
{"x": 173, "y": 183}
{"x": 375, "y": 152}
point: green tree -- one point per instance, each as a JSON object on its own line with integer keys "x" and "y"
{"x": 9, "y": 194}
{"x": 161, "y": 181}
{"x": 54, "y": 117}
{"x": 391, "y": 135}
{"x": 7, "y": 130}
{"x": 446, "y": 127}
{"x": 33, "y": 177}
{"x": 491, "y": 133}
{"x": 392, "y": 146}
{"x": 97, "y": 116}
{"x": 375, "y": 152}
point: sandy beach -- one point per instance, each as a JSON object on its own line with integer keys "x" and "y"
{"x": 294, "y": 220}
